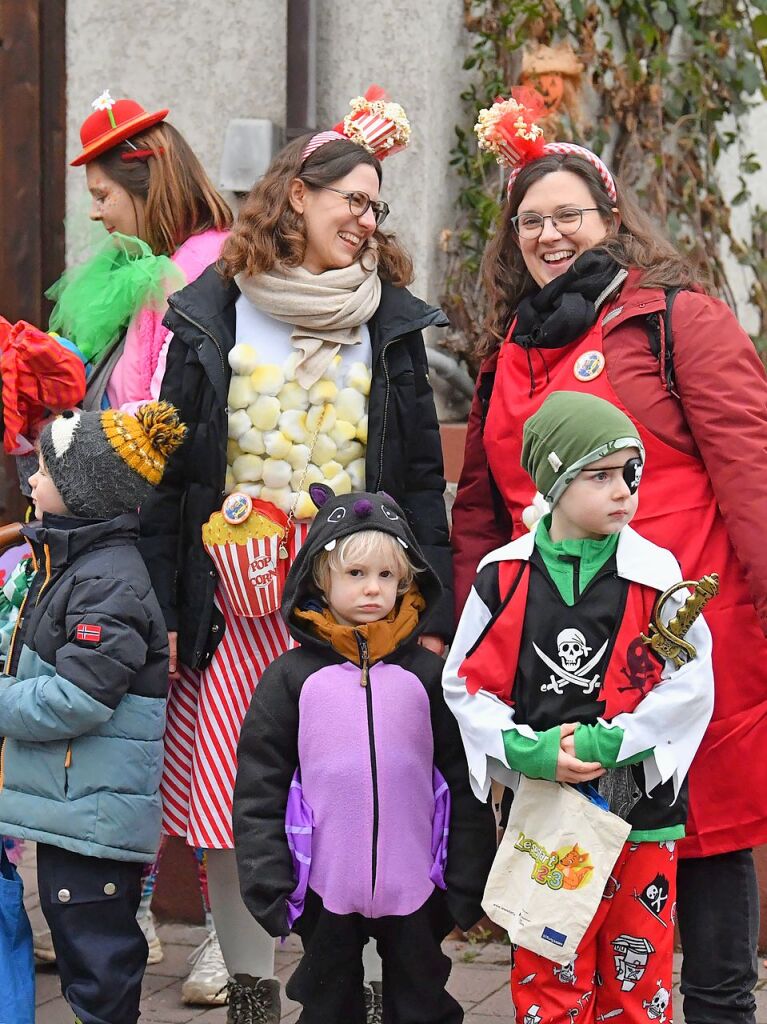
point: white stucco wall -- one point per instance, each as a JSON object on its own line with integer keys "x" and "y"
{"x": 220, "y": 59}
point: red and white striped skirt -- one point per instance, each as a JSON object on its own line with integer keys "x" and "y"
{"x": 205, "y": 714}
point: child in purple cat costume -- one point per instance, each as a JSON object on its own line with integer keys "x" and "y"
{"x": 353, "y": 816}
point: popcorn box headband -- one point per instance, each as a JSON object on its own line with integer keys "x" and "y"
{"x": 509, "y": 130}
{"x": 375, "y": 123}
{"x": 113, "y": 122}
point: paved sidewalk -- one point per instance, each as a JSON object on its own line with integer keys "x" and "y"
{"x": 479, "y": 979}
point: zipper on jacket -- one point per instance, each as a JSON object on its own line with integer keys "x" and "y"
{"x": 385, "y": 413}
{"x": 68, "y": 757}
{"x": 363, "y": 650}
{"x": 2, "y": 764}
{"x": 364, "y": 660}
{"x": 185, "y": 316}
{"x": 575, "y": 562}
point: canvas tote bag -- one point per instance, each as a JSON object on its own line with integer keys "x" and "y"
{"x": 551, "y": 868}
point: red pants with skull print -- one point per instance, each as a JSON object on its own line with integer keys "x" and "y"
{"x": 622, "y": 970}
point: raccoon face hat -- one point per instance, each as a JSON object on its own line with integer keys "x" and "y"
{"x": 105, "y": 463}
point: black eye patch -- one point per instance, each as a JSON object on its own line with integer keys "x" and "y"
{"x": 632, "y": 474}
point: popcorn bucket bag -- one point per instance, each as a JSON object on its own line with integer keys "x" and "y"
{"x": 552, "y": 866}
{"x": 248, "y": 541}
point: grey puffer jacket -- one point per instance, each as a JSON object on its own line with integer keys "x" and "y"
{"x": 82, "y": 706}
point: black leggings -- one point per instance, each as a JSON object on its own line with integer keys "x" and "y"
{"x": 328, "y": 980}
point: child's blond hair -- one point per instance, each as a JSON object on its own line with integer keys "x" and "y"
{"x": 358, "y": 547}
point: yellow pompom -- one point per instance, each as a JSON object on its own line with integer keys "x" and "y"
{"x": 279, "y": 496}
{"x": 160, "y": 423}
{"x": 348, "y": 451}
{"x": 356, "y": 471}
{"x": 294, "y": 426}
{"x": 268, "y": 379}
{"x": 359, "y": 378}
{"x": 229, "y": 483}
{"x": 350, "y": 405}
{"x": 264, "y": 412}
{"x": 252, "y": 441}
{"x": 325, "y": 449}
{"x": 276, "y": 444}
{"x": 248, "y": 468}
{"x": 276, "y": 473}
{"x": 323, "y": 391}
{"x": 239, "y": 422}
{"x": 322, "y": 417}
{"x": 299, "y": 456}
{"x": 362, "y": 430}
{"x": 304, "y": 477}
{"x": 243, "y": 359}
{"x": 340, "y": 483}
{"x": 293, "y": 396}
{"x": 342, "y": 431}
{"x": 305, "y": 507}
{"x": 241, "y": 393}
{"x": 232, "y": 451}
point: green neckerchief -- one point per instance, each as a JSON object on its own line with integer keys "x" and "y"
{"x": 592, "y": 554}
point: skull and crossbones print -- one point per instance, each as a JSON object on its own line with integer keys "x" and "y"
{"x": 572, "y": 649}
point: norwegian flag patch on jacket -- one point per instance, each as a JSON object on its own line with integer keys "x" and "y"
{"x": 88, "y": 634}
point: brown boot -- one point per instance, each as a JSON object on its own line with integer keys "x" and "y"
{"x": 253, "y": 1000}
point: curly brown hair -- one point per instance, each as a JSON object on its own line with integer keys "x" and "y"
{"x": 637, "y": 244}
{"x": 268, "y": 230}
{"x": 180, "y": 198}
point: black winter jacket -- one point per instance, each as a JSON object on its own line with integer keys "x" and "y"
{"x": 403, "y": 458}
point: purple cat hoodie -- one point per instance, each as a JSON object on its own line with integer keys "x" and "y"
{"x": 352, "y": 779}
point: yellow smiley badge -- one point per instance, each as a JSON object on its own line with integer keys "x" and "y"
{"x": 588, "y": 366}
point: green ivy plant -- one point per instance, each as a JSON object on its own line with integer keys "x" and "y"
{"x": 668, "y": 86}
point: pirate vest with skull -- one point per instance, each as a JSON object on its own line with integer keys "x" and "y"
{"x": 555, "y": 663}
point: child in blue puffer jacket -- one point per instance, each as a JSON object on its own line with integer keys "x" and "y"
{"x": 82, "y": 701}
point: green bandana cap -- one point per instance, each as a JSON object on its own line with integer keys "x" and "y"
{"x": 569, "y": 431}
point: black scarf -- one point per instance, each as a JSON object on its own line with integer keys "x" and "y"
{"x": 564, "y": 309}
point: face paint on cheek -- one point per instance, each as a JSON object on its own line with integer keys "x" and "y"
{"x": 632, "y": 474}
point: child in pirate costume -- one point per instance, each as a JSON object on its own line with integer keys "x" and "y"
{"x": 82, "y": 701}
{"x": 353, "y": 813}
{"x": 549, "y": 677}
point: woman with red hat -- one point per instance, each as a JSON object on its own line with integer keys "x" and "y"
{"x": 168, "y": 223}
{"x": 585, "y": 294}
{"x": 298, "y": 359}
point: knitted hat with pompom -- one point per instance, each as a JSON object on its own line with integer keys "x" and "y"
{"x": 105, "y": 463}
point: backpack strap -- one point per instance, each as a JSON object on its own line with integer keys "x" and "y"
{"x": 661, "y": 341}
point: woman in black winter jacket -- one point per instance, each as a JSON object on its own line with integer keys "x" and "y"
{"x": 297, "y": 359}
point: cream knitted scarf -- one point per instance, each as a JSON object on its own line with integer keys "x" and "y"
{"x": 326, "y": 310}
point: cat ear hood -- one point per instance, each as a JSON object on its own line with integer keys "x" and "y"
{"x": 339, "y": 516}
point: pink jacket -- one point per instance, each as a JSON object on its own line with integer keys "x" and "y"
{"x": 138, "y": 374}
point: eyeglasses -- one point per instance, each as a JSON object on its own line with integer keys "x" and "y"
{"x": 360, "y": 203}
{"x": 566, "y": 221}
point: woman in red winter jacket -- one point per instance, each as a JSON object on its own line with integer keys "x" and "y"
{"x": 580, "y": 285}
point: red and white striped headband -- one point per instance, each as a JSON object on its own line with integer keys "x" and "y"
{"x": 509, "y": 130}
{"x": 569, "y": 147}
{"x": 375, "y": 123}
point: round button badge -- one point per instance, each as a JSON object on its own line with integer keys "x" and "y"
{"x": 236, "y": 508}
{"x": 589, "y": 365}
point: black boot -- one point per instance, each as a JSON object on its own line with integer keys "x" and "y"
{"x": 253, "y": 1000}
{"x": 374, "y": 1003}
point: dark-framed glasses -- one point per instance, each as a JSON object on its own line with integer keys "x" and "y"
{"x": 567, "y": 220}
{"x": 360, "y": 203}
